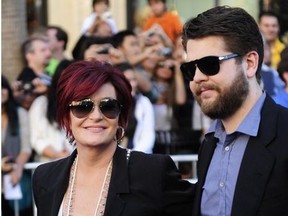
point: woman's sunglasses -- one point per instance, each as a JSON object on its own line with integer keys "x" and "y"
{"x": 209, "y": 65}
{"x": 109, "y": 107}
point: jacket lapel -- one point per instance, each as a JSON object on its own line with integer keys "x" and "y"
{"x": 119, "y": 184}
{"x": 256, "y": 165}
{"x": 57, "y": 186}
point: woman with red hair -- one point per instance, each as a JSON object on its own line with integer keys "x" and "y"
{"x": 99, "y": 177}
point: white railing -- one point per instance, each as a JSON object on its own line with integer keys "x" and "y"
{"x": 193, "y": 158}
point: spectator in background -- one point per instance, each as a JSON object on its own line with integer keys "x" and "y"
{"x": 282, "y": 96}
{"x": 99, "y": 48}
{"x": 15, "y": 150}
{"x": 140, "y": 131}
{"x": 58, "y": 39}
{"x": 47, "y": 139}
{"x": 169, "y": 22}
{"x": 128, "y": 43}
{"x": 140, "y": 18}
{"x": 100, "y": 13}
{"x": 270, "y": 79}
{"x": 33, "y": 79}
{"x": 269, "y": 26}
{"x": 170, "y": 84}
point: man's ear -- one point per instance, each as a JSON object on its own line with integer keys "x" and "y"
{"x": 252, "y": 62}
{"x": 28, "y": 56}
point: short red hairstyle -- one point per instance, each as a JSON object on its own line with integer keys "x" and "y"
{"x": 82, "y": 79}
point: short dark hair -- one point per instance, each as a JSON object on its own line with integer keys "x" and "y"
{"x": 118, "y": 38}
{"x": 238, "y": 29}
{"x": 267, "y": 13}
{"x": 61, "y": 35}
{"x": 85, "y": 42}
{"x": 164, "y": 1}
{"x": 98, "y": 1}
{"x": 283, "y": 65}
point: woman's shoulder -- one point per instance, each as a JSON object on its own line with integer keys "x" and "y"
{"x": 52, "y": 168}
{"x": 151, "y": 160}
{"x": 144, "y": 158}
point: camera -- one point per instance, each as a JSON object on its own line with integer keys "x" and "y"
{"x": 27, "y": 87}
{"x": 166, "y": 51}
{"x": 103, "y": 51}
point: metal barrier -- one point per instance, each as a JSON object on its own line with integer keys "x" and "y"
{"x": 193, "y": 158}
{"x": 32, "y": 166}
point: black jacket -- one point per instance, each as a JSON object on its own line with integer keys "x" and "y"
{"x": 262, "y": 184}
{"x": 146, "y": 186}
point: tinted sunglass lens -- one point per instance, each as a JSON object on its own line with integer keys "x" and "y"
{"x": 188, "y": 70}
{"x": 209, "y": 65}
{"x": 110, "y": 108}
{"x": 82, "y": 109}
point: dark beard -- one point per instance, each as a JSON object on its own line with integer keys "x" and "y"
{"x": 229, "y": 101}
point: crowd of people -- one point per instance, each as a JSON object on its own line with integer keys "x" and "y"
{"x": 43, "y": 111}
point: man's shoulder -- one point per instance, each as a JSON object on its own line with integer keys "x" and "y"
{"x": 27, "y": 74}
{"x": 274, "y": 110}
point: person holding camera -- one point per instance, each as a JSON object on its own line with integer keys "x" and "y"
{"x": 169, "y": 82}
{"x": 33, "y": 79}
{"x": 100, "y": 48}
{"x": 15, "y": 149}
{"x": 136, "y": 53}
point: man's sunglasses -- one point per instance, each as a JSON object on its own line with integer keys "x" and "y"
{"x": 109, "y": 107}
{"x": 209, "y": 65}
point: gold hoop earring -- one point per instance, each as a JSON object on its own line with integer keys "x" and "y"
{"x": 120, "y": 134}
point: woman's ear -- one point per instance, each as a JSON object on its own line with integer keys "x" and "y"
{"x": 120, "y": 134}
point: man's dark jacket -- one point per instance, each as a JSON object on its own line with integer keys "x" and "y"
{"x": 262, "y": 183}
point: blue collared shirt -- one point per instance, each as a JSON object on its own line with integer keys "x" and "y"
{"x": 220, "y": 183}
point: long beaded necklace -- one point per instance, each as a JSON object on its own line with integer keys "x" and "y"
{"x": 100, "y": 208}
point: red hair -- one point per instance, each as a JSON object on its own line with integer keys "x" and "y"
{"x": 82, "y": 79}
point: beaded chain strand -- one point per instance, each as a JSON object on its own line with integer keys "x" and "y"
{"x": 103, "y": 194}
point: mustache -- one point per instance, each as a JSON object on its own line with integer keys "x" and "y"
{"x": 200, "y": 87}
